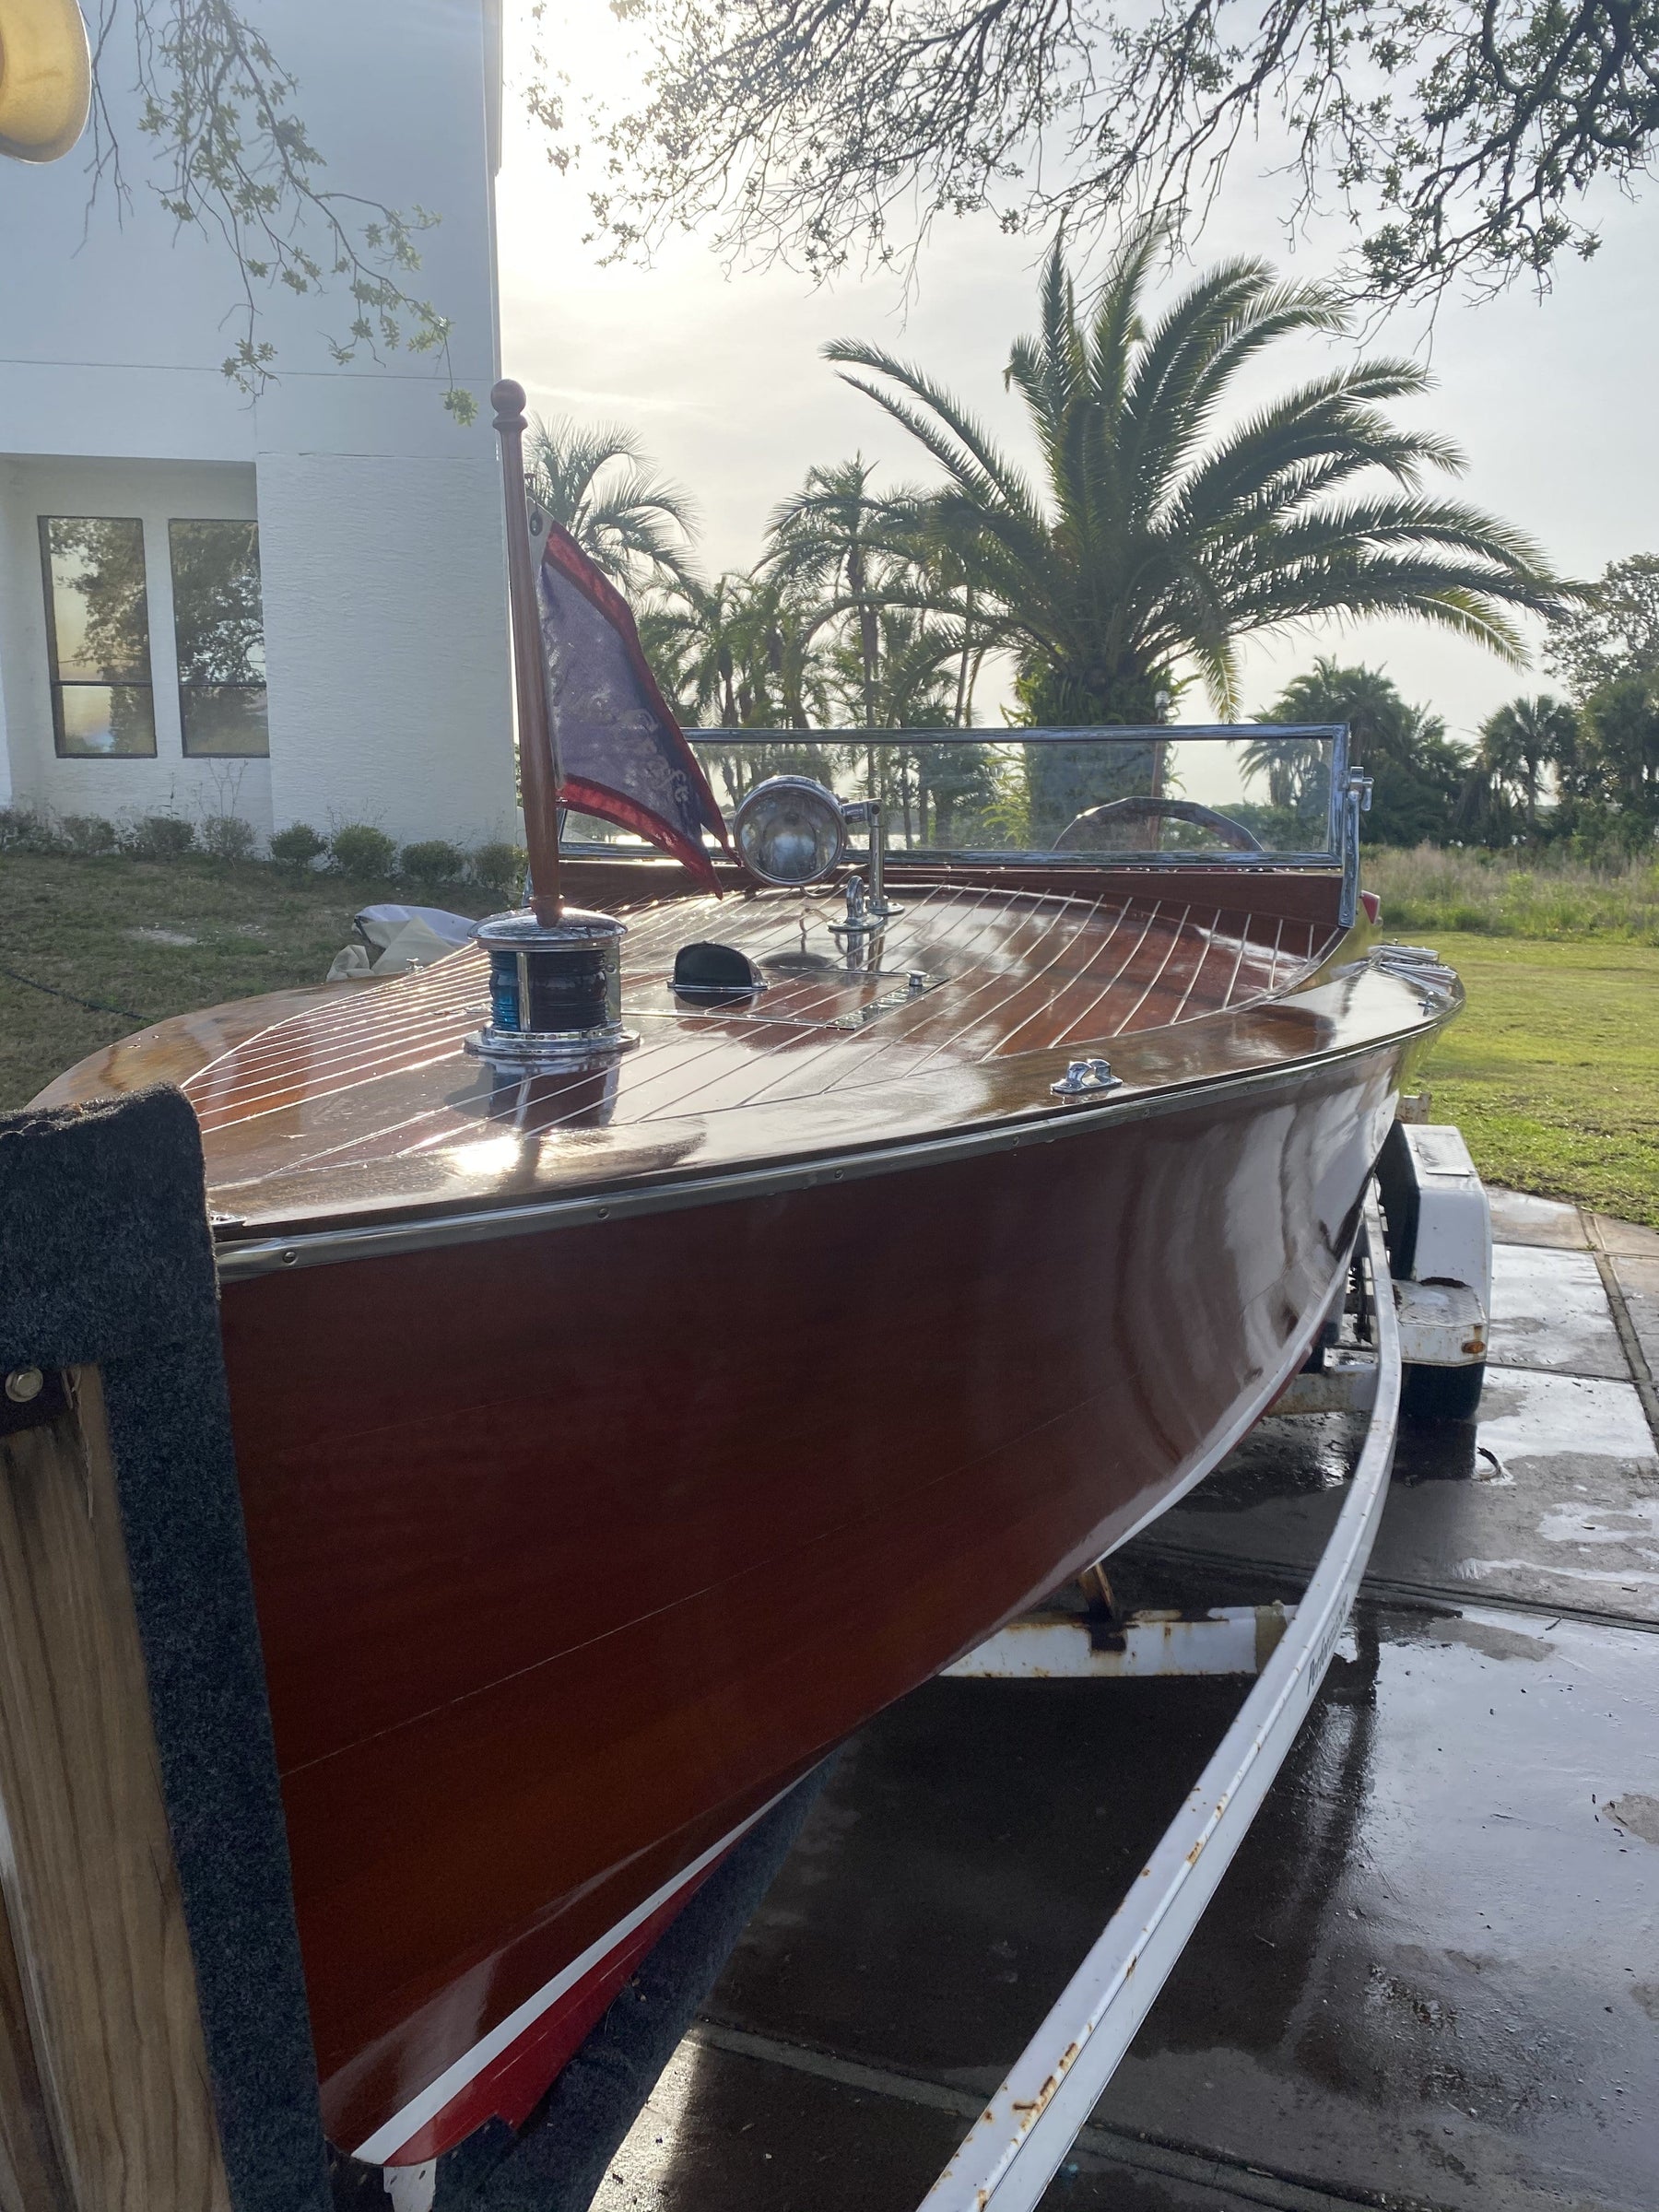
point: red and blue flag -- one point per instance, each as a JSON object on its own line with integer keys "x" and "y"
{"x": 618, "y": 752}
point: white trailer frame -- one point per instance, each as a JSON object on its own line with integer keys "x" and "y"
{"x": 1021, "y": 2140}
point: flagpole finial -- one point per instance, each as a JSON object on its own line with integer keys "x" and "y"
{"x": 537, "y": 777}
{"x": 508, "y": 400}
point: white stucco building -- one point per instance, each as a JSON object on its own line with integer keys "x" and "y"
{"x": 345, "y": 659}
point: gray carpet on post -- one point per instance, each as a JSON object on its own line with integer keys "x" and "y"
{"x": 109, "y": 1263}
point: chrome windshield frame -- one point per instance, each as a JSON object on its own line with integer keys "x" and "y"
{"x": 1346, "y": 797}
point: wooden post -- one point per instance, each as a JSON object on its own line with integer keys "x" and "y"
{"x": 31, "y": 2176}
{"x": 537, "y": 778}
{"x": 104, "y": 2097}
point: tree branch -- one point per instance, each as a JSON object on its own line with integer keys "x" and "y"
{"x": 218, "y": 106}
{"x": 1460, "y": 134}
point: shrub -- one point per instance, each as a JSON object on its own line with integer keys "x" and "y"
{"x": 500, "y": 867}
{"x": 227, "y": 837}
{"x": 160, "y": 836}
{"x": 431, "y": 862}
{"x": 88, "y": 832}
{"x": 23, "y": 830}
{"x": 359, "y": 848}
{"x": 297, "y": 846}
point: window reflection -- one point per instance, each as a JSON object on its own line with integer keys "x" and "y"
{"x": 218, "y": 627}
{"x": 97, "y": 630}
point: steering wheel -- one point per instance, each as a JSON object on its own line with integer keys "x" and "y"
{"x": 1082, "y": 833}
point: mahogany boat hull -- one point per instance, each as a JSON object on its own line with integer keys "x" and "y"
{"x": 573, "y": 1548}
{"x": 614, "y": 1443}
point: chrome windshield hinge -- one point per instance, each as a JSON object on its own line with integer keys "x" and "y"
{"x": 1356, "y": 801}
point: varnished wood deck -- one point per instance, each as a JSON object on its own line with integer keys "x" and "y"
{"x": 1019, "y": 973}
{"x": 364, "y": 1096}
{"x": 574, "y": 1546}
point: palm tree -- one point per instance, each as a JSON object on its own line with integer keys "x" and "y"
{"x": 1417, "y": 773}
{"x": 1156, "y": 542}
{"x": 1519, "y": 742}
{"x": 740, "y": 651}
{"x": 1295, "y": 769}
{"x": 838, "y": 538}
{"x": 914, "y": 680}
{"x": 691, "y": 634}
{"x": 913, "y": 683}
{"x": 1383, "y": 724}
{"x": 634, "y": 525}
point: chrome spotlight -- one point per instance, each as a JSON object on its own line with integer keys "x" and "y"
{"x": 790, "y": 830}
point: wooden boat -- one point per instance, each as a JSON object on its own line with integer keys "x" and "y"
{"x": 616, "y": 1437}
{"x": 658, "y": 1339}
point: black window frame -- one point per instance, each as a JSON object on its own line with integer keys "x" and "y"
{"x": 60, "y": 683}
{"x": 189, "y": 751}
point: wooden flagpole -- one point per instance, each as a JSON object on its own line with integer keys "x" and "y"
{"x": 536, "y": 777}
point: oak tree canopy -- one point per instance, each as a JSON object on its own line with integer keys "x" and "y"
{"x": 1458, "y": 134}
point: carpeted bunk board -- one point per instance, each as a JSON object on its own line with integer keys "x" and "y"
{"x": 107, "y": 1284}
{"x": 136, "y": 1751}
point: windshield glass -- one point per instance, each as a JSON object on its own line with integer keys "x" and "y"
{"x": 1252, "y": 793}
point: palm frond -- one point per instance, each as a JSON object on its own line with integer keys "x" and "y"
{"x": 1116, "y": 326}
{"x": 594, "y": 481}
{"x": 1275, "y": 456}
{"x": 981, "y": 454}
{"x": 1514, "y": 560}
{"x": 1159, "y": 535}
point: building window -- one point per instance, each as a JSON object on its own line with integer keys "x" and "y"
{"x": 97, "y": 628}
{"x": 219, "y": 628}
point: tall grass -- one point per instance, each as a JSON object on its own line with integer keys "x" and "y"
{"x": 1530, "y": 895}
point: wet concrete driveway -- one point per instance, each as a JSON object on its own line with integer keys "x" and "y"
{"x": 1431, "y": 1978}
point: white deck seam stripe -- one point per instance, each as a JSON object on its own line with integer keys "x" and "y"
{"x": 1100, "y": 997}
{"x": 1014, "y": 982}
{"x": 1177, "y": 939}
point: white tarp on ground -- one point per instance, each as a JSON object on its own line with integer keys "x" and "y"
{"x": 397, "y": 938}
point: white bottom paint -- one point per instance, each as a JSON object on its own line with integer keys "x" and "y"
{"x": 386, "y": 2142}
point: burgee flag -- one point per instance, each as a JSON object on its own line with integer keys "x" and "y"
{"x": 618, "y": 753}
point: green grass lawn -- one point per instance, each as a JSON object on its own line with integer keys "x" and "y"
{"x": 1553, "y": 1073}
{"x": 79, "y": 926}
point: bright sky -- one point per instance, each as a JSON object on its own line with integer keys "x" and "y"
{"x": 1551, "y": 400}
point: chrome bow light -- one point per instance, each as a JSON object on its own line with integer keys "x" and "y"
{"x": 555, "y": 989}
{"x": 1421, "y": 968}
{"x": 793, "y": 831}
{"x": 790, "y": 830}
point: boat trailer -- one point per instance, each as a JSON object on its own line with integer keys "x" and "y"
{"x": 1417, "y": 1336}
